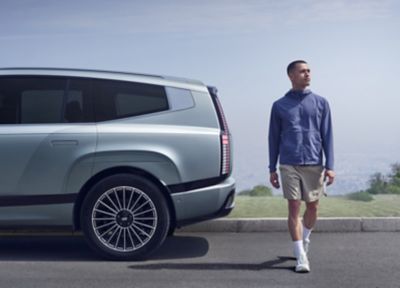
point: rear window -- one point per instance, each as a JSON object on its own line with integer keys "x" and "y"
{"x": 119, "y": 99}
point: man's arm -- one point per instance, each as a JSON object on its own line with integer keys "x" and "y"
{"x": 327, "y": 143}
{"x": 274, "y": 180}
{"x": 330, "y": 174}
{"x": 273, "y": 143}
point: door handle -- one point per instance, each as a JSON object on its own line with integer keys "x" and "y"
{"x": 64, "y": 142}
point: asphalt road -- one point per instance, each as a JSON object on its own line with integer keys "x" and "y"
{"x": 206, "y": 260}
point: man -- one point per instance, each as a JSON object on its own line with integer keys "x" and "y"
{"x": 300, "y": 133}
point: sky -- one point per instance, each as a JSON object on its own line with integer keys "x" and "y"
{"x": 242, "y": 48}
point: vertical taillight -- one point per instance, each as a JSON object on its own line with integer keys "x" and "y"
{"x": 225, "y": 135}
{"x": 226, "y": 154}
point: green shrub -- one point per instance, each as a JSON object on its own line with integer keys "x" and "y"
{"x": 245, "y": 192}
{"x": 392, "y": 189}
{"x": 395, "y": 175}
{"x": 257, "y": 191}
{"x": 377, "y": 184}
{"x": 261, "y": 190}
{"x": 380, "y": 184}
{"x": 360, "y": 196}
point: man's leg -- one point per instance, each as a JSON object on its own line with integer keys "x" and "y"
{"x": 313, "y": 185}
{"x": 309, "y": 219}
{"x": 311, "y": 214}
{"x": 293, "y": 220}
{"x": 296, "y": 234}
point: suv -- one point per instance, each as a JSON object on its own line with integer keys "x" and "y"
{"x": 124, "y": 157}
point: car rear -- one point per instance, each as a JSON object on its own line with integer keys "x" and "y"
{"x": 215, "y": 197}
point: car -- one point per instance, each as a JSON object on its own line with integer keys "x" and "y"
{"x": 125, "y": 158}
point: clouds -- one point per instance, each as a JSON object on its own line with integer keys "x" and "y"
{"x": 179, "y": 17}
{"x": 342, "y": 10}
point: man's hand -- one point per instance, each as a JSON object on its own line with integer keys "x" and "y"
{"x": 330, "y": 174}
{"x": 274, "y": 179}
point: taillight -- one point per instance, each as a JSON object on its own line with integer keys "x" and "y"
{"x": 226, "y": 154}
{"x": 225, "y": 135}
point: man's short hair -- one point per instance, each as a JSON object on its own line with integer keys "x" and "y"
{"x": 293, "y": 64}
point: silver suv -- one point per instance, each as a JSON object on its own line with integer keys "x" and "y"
{"x": 126, "y": 158}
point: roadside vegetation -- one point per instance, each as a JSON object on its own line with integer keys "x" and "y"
{"x": 257, "y": 191}
{"x": 380, "y": 184}
{"x": 380, "y": 199}
{"x": 331, "y": 206}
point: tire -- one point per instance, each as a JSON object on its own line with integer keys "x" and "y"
{"x": 171, "y": 231}
{"x": 125, "y": 217}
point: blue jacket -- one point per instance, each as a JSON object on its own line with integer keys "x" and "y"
{"x": 300, "y": 130}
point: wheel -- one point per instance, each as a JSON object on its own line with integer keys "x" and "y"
{"x": 125, "y": 217}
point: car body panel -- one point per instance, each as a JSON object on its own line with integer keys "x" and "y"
{"x": 44, "y": 160}
{"x": 183, "y": 154}
{"x": 40, "y": 157}
{"x": 187, "y": 203}
{"x": 47, "y": 168}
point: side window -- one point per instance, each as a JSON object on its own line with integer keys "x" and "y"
{"x": 79, "y": 105}
{"x": 118, "y": 99}
{"x": 41, "y": 106}
{"x": 179, "y": 99}
{"x": 40, "y": 100}
{"x": 9, "y": 102}
{"x": 31, "y": 99}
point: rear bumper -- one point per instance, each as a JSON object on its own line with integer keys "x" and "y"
{"x": 205, "y": 203}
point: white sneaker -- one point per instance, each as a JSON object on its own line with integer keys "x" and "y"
{"x": 303, "y": 266}
{"x": 306, "y": 244}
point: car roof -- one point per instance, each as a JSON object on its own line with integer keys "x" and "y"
{"x": 104, "y": 74}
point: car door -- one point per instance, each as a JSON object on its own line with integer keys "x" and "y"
{"x": 47, "y": 142}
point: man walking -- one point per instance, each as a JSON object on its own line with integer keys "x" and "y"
{"x": 300, "y": 133}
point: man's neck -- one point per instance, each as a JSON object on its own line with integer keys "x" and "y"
{"x": 299, "y": 89}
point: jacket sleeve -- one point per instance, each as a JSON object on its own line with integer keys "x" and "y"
{"x": 274, "y": 138}
{"x": 327, "y": 137}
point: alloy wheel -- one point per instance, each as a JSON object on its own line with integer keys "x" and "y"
{"x": 124, "y": 218}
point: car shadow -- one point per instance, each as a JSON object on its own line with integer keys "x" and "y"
{"x": 75, "y": 248}
{"x": 181, "y": 247}
{"x": 45, "y": 248}
{"x": 276, "y": 264}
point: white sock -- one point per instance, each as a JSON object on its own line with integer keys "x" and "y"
{"x": 298, "y": 248}
{"x": 306, "y": 233}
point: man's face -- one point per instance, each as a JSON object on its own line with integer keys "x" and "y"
{"x": 300, "y": 76}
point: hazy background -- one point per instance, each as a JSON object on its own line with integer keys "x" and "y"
{"x": 243, "y": 48}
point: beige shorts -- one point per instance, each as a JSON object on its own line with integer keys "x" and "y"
{"x": 302, "y": 182}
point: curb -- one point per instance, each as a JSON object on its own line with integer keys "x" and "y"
{"x": 249, "y": 225}
{"x": 245, "y": 225}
